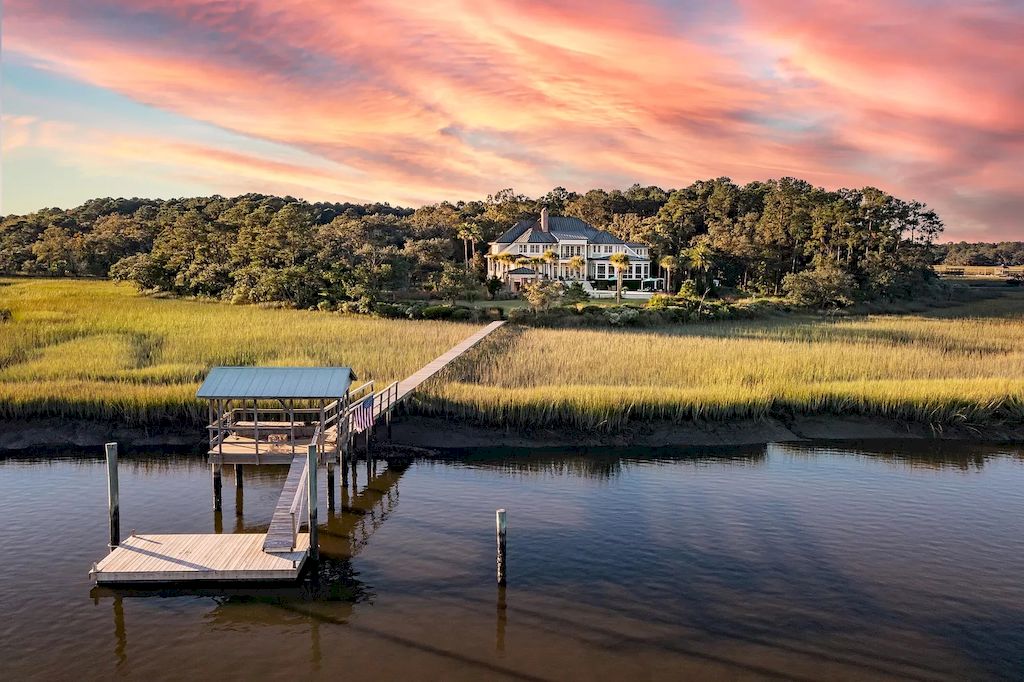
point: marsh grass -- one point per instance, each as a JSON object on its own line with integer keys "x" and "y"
{"x": 962, "y": 365}
{"x": 94, "y": 349}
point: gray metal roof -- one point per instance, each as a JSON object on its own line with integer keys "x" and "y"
{"x": 276, "y": 382}
{"x": 559, "y": 228}
{"x": 539, "y": 237}
{"x": 522, "y": 271}
{"x": 514, "y": 232}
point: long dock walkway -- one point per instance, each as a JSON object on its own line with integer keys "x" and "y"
{"x": 411, "y": 383}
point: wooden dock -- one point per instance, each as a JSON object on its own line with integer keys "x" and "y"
{"x": 411, "y": 383}
{"x": 205, "y": 557}
{"x": 279, "y": 554}
{"x": 281, "y": 535}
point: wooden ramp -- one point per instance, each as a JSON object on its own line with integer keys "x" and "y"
{"x": 188, "y": 558}
{"x": 280, "y": 534}
{"x": 409, "y": 384}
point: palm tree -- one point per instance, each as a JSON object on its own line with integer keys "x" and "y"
{"x": 668, "y": 264}
{"x": 550, "y": 257}
{"x": 577, "y": 264}
{"x": 702, "y": 257}
{"x": 468, "y": 233}
{"x": 505, "y": 259}
{"x": 620, "y": 262}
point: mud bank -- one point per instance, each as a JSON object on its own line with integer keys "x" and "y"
{"x": 440, "y": 434}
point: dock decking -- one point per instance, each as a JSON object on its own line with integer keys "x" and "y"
{"x": 205, "y": 557}
{"x": 409, "y": 384}
{"x": 279, "y": 535}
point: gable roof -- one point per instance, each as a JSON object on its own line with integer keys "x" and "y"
{"x": 515, "y": 232}
{"x": 538, "y": 236}
{"x": 276, "y": 382}
{"x": 559, "y": 228}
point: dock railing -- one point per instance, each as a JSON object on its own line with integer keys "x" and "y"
{"x": 383, "y": 405}
{"x": 297, "y": 509}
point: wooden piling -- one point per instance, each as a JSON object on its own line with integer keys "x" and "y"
{"x": 113, "y": 501}
{"x": 215, "y": 471}
{"x": 238, "y": 476}
{"x": 500, "y": 529}
{"x": 314, "y": 539}
{"x": 330, "y": 485}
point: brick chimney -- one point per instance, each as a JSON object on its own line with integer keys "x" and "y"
{"x": 544, "y": 220}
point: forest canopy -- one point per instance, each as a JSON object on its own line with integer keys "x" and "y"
{"x": 258, "y": 248}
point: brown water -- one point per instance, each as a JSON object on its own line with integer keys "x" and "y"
{"x": 797, "y": 562}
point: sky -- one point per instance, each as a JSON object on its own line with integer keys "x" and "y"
{"x": 416, "y": 102}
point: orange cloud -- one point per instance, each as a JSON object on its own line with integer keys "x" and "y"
{"x": 417, "y": 102}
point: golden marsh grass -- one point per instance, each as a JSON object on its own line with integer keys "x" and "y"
{"x": 93, "y": 349}
{"x": 958, "y": 365}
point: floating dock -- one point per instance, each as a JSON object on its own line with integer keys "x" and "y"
{"x": 304, "y": 438}
{"x": 178, "y": 558}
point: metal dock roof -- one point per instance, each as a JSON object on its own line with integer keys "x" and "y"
{"x": 276, "y": 382}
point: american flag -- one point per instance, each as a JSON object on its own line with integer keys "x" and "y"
{"x": 362, "y": 417}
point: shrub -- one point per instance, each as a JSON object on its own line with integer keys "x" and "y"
{"x": 437, "y": 312}
{"x": 622, "y": 316}
{"x": 575, "y": 293}
{"x": 493, "y": 285}
{"x": 688, "y": 289}
{"x": 825, "y": 286}
{"x": 5, "y": 315}
{"x": 543, "y": 295}
{"x": 392, "y": 311}
{"x": 660, "y": 301}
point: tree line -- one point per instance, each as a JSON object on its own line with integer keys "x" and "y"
{"x": 258, "y": 248}
{"x": 981, "y": 253}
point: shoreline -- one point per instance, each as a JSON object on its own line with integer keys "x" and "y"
{"x": 435, "y": 433}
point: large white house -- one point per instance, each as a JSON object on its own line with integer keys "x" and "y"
{"x": 546, "y": 248}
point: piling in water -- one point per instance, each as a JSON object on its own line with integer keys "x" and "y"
{"x": 113, "y": 503}
{"x": 500, "y": 528}
{"x": 215, "y": 472}
{"x": 314, "y": 539}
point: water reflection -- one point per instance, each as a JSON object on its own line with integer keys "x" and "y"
{"x": 800, "y": 561}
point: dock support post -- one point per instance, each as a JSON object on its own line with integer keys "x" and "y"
{"x": 314, "y": 539}
{"x": 330, "y": 485}
{"x": 500, "y": 528}
{"x": 238, "y": 476}
{"x": 113, "y": 501}
{"x": 215, "y": 471}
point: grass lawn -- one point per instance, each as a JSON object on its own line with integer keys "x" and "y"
{"x": 93, "y": 349}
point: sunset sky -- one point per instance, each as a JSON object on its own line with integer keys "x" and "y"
{"x": 415, "y": 102}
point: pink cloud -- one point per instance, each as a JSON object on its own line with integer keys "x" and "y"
{"x": 418, "y": 102}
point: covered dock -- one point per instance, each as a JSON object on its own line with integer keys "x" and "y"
{"x": 305, "y": 417}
